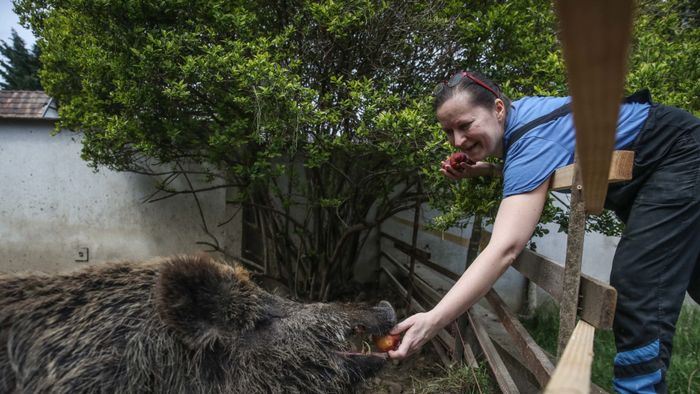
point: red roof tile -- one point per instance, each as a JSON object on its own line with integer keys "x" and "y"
{"x": 26, "y": 104}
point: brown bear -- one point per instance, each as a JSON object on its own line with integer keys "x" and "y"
{"x": 186, "y": 324}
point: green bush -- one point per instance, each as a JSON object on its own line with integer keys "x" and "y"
{"x": 316, "y": 115}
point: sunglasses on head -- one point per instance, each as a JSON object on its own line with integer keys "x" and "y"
{"x": 457, "y": 78}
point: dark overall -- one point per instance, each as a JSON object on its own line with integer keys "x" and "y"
{"x": 658, "y": 256}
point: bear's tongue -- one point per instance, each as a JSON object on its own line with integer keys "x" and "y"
{"x": 369, "y": 354}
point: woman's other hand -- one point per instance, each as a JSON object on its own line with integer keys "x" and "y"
{"x": 464, "y": 170}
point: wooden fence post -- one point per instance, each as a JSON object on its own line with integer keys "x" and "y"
{"x": 472, "y": 252}
{"x": 572, "y": 270}
{"x": 414, "y": 245}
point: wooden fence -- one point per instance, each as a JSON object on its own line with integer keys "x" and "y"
{"x": 595, "y": 37}
{"x": 427, "y": 282}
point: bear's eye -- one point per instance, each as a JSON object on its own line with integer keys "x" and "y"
{"x": 271, "y": 314}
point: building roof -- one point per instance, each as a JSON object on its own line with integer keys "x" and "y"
{"x": 25, "y": 104}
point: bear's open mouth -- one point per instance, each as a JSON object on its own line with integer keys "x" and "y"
{"x": 361, "y": 342}
{"x": 367, "y": 336}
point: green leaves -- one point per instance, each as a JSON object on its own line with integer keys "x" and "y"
{"x": 666, "y": 53}
{"x": 320, "y": 112}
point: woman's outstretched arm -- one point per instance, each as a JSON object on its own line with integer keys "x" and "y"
{"x": 515, "y": 222}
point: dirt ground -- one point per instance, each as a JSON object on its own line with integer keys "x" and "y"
{"x": 403, "y": 376}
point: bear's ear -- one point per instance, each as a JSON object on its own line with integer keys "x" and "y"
{"x": 205, "y": 301}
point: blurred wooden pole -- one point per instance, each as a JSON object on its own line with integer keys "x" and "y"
{"x": 595, "y": 36}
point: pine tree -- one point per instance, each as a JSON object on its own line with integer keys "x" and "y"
{"x": 20, "y": 67}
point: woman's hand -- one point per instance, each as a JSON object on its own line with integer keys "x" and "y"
{"x": 464, "y": 170}
{"x": 419, "y": 329}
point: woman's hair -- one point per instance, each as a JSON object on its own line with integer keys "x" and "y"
{"x": 479, "y": 95}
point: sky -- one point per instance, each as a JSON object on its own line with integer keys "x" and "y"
{"x": 9, "y": 21}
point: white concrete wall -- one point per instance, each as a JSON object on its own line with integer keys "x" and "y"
{"x": 598, "y": 249}
{"x": 52, "y": 204}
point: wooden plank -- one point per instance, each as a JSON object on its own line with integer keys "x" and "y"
{"x": 573, "y": 372}
{"x": 509, "y": 351}
{"x": 536, "y": 361}
{"x": 416, "y": 307}
{"x": 414, "y": 241}
{"x": 426, "y": 261}
{"x": 432, "y": 294}
{"x": 597, "y": 303}
{"x": 434, "y": 297}
{"x": 523, "y": 378}
{"x": 545, "y": 273}
{"x": 425, "y": 287}
{"x": 420, "y": 254}
{"x": 506, "y": 346}
{"x": 461, "y": 350}
{"x": 568, "y": 305}
{"x": 462, "y": 323}
{"x": 443, "y": 235}
{"x": 621, "y": 166}
{"x": 500, "y": 372}
{"x": 597, "y": 299}
{"x": 502, "y": 341}
{"x": 440, "y": 350}
{"x": 595, "y": 36}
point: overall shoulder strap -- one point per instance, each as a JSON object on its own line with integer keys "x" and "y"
{"x": 519, "y": 132}
{"x": 640, "y": 96}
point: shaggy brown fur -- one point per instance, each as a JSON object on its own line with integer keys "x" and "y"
{"x": 176, "y": 325}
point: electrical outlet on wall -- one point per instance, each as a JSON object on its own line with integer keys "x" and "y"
{"x": 82, "y": 254}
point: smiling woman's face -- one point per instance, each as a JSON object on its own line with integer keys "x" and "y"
{"x": 474, "y": 130}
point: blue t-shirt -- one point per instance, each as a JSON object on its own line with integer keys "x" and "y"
{"x": 543, "y": 149}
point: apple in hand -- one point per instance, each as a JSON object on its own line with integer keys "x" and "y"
{"x": 457, "y": 158}
{"x": 387, "y": 342}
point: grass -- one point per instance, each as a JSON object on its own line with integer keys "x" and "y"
{"x": 457, "y": 380}
{"x": 683, "y": 375}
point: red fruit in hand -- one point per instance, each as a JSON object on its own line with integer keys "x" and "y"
{"x": 457, "y": 158}
{"x": 387, "y": 342}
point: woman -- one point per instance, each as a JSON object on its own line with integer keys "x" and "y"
{"x": 657, "y": 256}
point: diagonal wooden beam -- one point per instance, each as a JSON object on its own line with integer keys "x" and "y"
{"x": 595, "y": 36}
{"x": 433, "y": 296}
{"x": 500, "y": 372}
{"x": 416, "y": 307}
{"x": 534, "y": 357}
